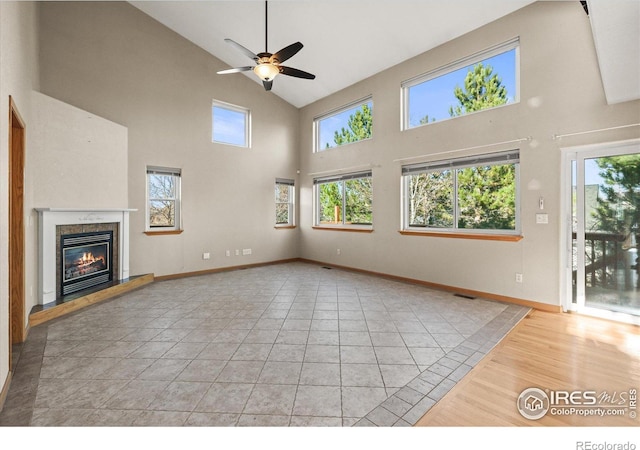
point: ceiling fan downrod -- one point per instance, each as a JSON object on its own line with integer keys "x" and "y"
{"x": 266, "y": 26}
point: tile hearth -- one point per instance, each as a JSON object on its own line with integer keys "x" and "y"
{"x": 283, "y": 345}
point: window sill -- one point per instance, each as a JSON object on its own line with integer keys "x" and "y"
{"x": 284, "y": 227}
{"x": 476, "y": 236}
{"x": 348, "y": 229}
{"x": 163, "y": 232}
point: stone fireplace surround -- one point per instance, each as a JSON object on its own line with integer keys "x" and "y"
{"x": 51, "y": 222}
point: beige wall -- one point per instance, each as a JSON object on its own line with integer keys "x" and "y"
{"x": 110, "y": 59}
{"x": 73, "y": 150}
{"x": 560, "y": 92}
{"x": 18, "y": 76}
{"x": 114, "y": 61}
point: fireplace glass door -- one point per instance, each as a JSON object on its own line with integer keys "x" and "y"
{"x": 86, "y": 260}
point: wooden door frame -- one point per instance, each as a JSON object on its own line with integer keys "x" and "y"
{"x": 17, "y": 135}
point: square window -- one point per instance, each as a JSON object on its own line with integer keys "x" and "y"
{"x": 482, "y": 81}
{"x": 230, "y": 124}
{"x": 163, "y": 199}
{"x": 344, "y": 200}
{"x": 351, "y": 123}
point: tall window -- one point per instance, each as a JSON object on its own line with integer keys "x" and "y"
{"x": 482, "y": 81}
{"x": 466, "y": 194}
{"x": 344, "y": 200}
{"x": 231, "y": 124}
{"x": 163, "y": 199}
{"x": 351, "y": 123}
{"x": 284, "y": 202}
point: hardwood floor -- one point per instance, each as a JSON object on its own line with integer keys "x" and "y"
{"x": 552, "y": 352}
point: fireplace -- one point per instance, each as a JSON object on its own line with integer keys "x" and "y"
{"x": 81, "y": 250}
{"x": 86, "y": 260}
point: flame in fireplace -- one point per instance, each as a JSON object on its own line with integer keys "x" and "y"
{"x": 88, "y": 258}
{"x": 85, "y": 263}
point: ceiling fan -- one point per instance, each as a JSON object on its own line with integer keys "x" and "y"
{"x": 268, "y": 64}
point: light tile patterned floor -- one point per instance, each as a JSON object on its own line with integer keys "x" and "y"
{"x": 284, "y": 345}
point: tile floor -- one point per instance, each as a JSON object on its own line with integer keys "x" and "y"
{"x": 293, "y": 344}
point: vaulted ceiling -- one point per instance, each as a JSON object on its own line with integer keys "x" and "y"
{"x": 348, "y": 41}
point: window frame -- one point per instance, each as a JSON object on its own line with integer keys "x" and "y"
{"x": 334, "y": 112}
{"x": 237, "y": 109}
{"x": 405, "y": 86}
{"x": 317, "y": 204}
{"x": 291, "y": 203}
{"x": 483, "y": 160}
{"x": 177, "y": 199}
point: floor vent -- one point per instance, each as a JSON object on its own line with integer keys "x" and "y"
{"x": 470, "y": 297}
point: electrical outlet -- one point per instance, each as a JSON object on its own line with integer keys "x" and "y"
{"x": 542, "y": 218}
{"x": 338, "y": 251}
{"x": 227, "y": 253}
{"x": 237, "y": 252}
{"x": 206, "y": 255}
{"x": 518, "y": 278}
{"x": 246, "y": 251}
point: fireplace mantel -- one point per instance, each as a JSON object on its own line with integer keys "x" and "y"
{"x": 50, "y": 218}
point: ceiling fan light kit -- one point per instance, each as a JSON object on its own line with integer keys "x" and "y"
{"x": 266, "y": 71}
{"x": 268, "y": 64}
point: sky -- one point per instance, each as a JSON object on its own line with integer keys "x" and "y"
{"x": 591, "y": 173}
{"x": 228, "y": 126}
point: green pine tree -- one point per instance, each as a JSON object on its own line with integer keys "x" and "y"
{"x": 482, "y": 89}
{"x": 426, "y": 119}
{"x": 359, "y": 125}
{"x": 618, "y": 209}
{"x": 487, "y": 197}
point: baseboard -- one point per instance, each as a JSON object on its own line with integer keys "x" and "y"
{"x": 443, "y": 287}
{"x": 45, "y": 315}
{"x": 5, "y": 390}
{"x": 223, "y": 269}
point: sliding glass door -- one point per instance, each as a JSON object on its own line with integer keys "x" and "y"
{"x": 604, "y": 230}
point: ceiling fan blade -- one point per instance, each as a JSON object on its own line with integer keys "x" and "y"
{"x": 296, "y": 73}
{"x": 286, "y": 53}
{"x": 267, "y": 85}
{"x": 242, "y": 49}
{"x": 235, "y": 70}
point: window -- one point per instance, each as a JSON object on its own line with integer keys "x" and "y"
{"x": 481, "y": 81}
{"x": 284, "y": 202}
{"x": 463, "y": 195}
{"x": 350, "y": 123}
{"x": 163, "y": 199}
{"x": 231, "y": 124}
{"x": 344, "y": 200}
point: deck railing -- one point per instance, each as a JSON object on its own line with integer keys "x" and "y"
{"x": 608, "y": 265}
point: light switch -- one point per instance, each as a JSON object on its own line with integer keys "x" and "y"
{"x": 542, "y": 218}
